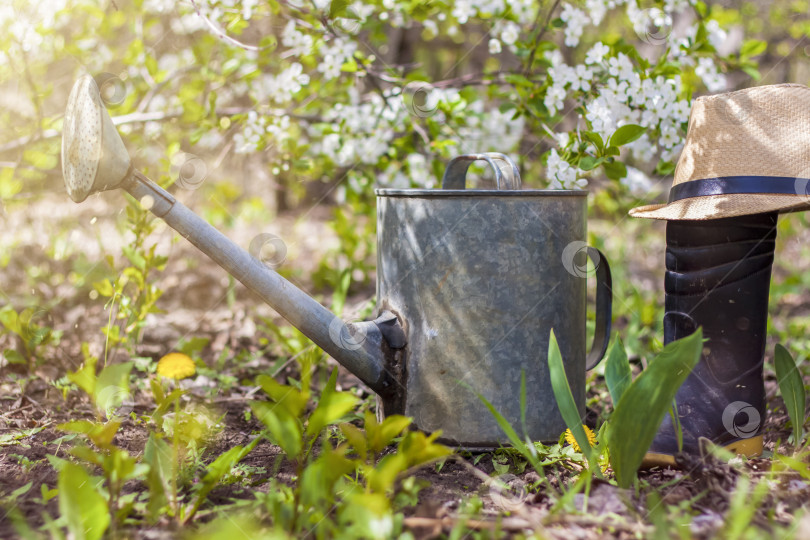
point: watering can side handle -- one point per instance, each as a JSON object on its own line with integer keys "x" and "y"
{"x": 455, "y": 176}
{"x": 604, "y": 308}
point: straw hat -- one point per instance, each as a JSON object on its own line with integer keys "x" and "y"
{"x": 746, "y": 152}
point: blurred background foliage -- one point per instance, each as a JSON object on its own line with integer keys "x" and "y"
{"x": 252, "y": 111}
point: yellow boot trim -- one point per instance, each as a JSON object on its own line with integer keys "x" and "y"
{"x": 744, "y": 447}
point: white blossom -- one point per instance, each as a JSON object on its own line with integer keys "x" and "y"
{"x": 299, "y": 43}
{"x": 510, "y": 33}
{"x": 638, "y": 183}
{"x": 642, "y": 149}
{"x": 494, "y": 46}
{"x": 463, "y": 10}
{"x": 596, "y": 53}
{"x": 334, "y": 56}
{"x": 621, "y": 67}
{"x": 596, "y": 10}
{"x": 709, "y": 74}
{"x": 716, "y": 35}
{"x": 282, "y": 87}
{"x": 561, "y": 174}
{"x": 575, "y": 20}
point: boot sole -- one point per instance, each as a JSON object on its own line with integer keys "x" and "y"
{"x": 744, "y": 447}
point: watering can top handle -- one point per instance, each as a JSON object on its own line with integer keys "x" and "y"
{"x": 455, "y": 176}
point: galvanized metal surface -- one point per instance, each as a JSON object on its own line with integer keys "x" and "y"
{"x": 470, "y": 282}
{"x": 358, "y": 347}
{"x": 479, "y": 279}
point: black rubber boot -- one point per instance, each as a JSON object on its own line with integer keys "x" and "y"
{"x": 718, "y": 276}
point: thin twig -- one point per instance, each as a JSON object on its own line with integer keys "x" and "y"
{"x": 154, "y": 116}
{"x": 539, "y": 35}
{"x": 507, "y": 524}
{"x": 221, "y": 34}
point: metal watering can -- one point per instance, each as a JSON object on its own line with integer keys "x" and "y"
{"x": 469, "y": 285}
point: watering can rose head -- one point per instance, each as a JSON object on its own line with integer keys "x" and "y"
{"x": 93, "y": 155}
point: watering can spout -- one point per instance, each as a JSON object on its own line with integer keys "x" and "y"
{"x": 94, "y": 159}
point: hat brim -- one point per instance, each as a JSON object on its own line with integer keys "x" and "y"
{"x": 723, "y": 206}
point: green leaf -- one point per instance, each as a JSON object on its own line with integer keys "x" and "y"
{"x": 134, "y": 257}
{"x": 565, "y": 399}
{"x": 617, "y": 371}
{"x": 104, "y": 287}
{"x": 356, "y": 438}
{"x": 112, "y": 387}
{"x": 13, "y": 357}
{"x": 160, "y": 458}
{"x": 288, "y": 397}
{"x": 797, "y": 465}
{"x": 518, "y": 80}
{"x": 791, "y": 386}
{"x": 381, "y": 477}
{"x": 595, "y": 139}
{"x": 10, "y": 319}
{"x": 643, "y": 405}
{"x": 284, "y": 428}
{"x": 510, "y": 433}
{"x": 217, "y": 470}
{"x": 338, "y": 7}
{"x": 85, "y": 376}
{"x": 626, "y": 134}
{"x": 381, "y": 435}
{"x": 80, "y": 503}
{"x": 419, "y": 448}
{"x": 664, "y": 168}
{"x": 523, "y": 424}
{"x": 319, "y": 478}
{"x": 615, "y": 170}
{"x": 589, "y": 163}
{"x": 332, "y": 406}
{"x": 753, "y": 47}
{"x": 752, "y": 72}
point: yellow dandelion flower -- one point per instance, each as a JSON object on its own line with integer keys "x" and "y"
{"x": 569, "y": 438}
{"x": 176, "y": 366}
